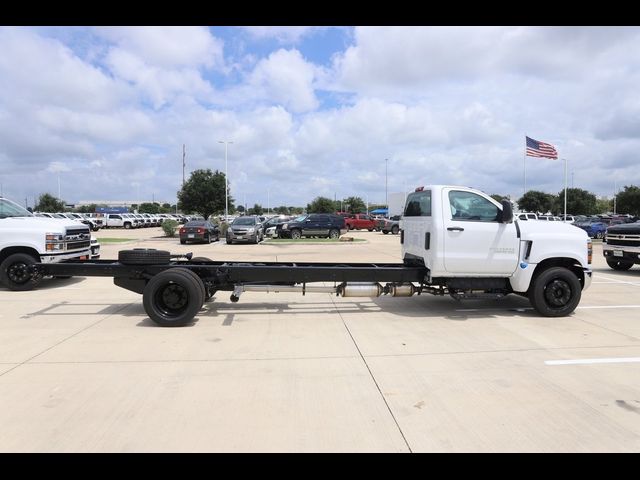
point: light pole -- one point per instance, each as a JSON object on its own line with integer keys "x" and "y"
{"x": 226, "y": 184}
{"x": 386, "y": 177}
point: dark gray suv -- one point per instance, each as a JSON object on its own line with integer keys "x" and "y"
{"x": 245, "y": 229}
{"x": 313, "y": 225}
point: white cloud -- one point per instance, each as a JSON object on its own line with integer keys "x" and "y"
{"x": 284, "y": 35}
{"x": 168, "y": 47}
{"x": 285, "y": 78}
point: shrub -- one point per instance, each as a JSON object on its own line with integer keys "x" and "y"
{"x": 169, "y": 227}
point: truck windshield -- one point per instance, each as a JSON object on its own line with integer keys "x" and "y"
{"x": 10, "y": 209}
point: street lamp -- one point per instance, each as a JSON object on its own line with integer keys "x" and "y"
{"x": 386, "y": 177}
{"x": 226, "y": 186}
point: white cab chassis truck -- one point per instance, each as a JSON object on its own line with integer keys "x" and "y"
{"x": 456, "y": 241}
{"x": 26, "y": 240}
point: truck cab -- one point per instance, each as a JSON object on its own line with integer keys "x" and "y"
{"x": 470, "y": 244}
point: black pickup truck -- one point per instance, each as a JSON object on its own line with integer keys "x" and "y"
{"x": 621, "y": 245}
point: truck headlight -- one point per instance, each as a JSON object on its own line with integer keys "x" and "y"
{"x": 54, "y": 242}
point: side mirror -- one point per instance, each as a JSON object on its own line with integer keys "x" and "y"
{"x": 507, "y": 212}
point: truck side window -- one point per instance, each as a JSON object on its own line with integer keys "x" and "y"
{"x": 472, "y": 207}
{"x": 418, "y": 204}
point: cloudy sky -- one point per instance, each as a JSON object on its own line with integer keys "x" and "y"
{"x": 315, "y": 110}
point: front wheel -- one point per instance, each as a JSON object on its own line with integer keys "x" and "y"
{"x": 555, "y": 292}
{"x": 296, "y": 234}
{"x": 333, "y": 233}
{"x": 619, "y": 264}
{"x": 15, "y": 274}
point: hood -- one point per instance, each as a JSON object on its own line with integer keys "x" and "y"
{"x": 53, "y": 225}
{"x": 533, "y": 228}
{"x": 625, "y": 228}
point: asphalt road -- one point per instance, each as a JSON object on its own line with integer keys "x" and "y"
{"x": 83, "y": 369}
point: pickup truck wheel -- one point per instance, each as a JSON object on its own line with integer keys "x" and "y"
{"x": 144, "y": 256}
{"x": 619, "y": 264}
{"x": 385, "y": 231}
{"x": 173, "y": 297}
{"x": 395, "y": 229}
{"x": 333, "y": 233}
{"x": 127, "y": 226}
{"x": 555, "y": 292}
{"x": 14, "y": 272}
{"x": 296, "y": 234}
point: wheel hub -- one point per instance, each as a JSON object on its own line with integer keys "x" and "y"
{"x": 558, "y": 293}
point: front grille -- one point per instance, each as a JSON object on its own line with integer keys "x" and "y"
{"x": 74, "y": 231}
{"x": 614, "y": 242}
{"x": 78, "y": 245}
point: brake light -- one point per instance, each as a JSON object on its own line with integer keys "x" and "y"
{"x": 182, "y": 230}
{"x": 201, "y": 230}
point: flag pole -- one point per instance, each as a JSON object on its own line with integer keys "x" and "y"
{"x": 524, "y": 163}
{"x": 565, "y": 189}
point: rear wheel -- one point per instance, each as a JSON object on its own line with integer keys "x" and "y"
{"x": 15, "y": 274}
{"x": 395, "y": 229}
{"x": 173, "y": 297}
{"x": 555, "y": 292}
{"x": 619, "y": 264}
{"x": 333, "y": 233}
{"x": 385, "y": 231}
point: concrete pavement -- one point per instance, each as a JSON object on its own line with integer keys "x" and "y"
{"x": 82, "y": 368}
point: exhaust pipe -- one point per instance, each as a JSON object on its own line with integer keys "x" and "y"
{"x": 357, "y": 289}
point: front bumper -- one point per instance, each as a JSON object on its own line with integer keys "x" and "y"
{"x": 78, "y": 255}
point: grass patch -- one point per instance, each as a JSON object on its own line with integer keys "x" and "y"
{"x": 115, "y": 240}
{"x": 313, "y": 240}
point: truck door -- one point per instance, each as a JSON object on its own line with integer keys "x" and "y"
{"x": 475, "y": 241}
{"x": 416, "y": 237}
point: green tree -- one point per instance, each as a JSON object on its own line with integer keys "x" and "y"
{"x": 498, "y": 198}
{"x": 535, "y": 201}
{"x": 240, "y": 209}
{"x": 204, "y": 193}
{"x": 149, "y": 208}
{"x": 256, "y": 209}
{"x": 355, "y": 205}
{"x": 603, "y": 205}
{"x": 87, "y": 208}
{"x": 295, "y": 210}
{"x": 49, "y": 203}
{"x": 628, "y": 201}
{"x": 579, "y": 202}
{"x": 321, "y": 205}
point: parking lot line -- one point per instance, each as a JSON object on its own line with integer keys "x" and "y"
{"x": 591, "y": 361}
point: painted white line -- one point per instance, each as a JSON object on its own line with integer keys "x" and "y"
{"x": 604, "y": 307}
{"x": 616, "y": 280}
{"x": 590, "y": 361}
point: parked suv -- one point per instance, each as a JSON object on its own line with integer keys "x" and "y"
{"x": 245, "y": 229}
{"x": 313, "y": 225}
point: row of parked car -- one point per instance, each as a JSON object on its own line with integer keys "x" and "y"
{"x": 595, "y": 226}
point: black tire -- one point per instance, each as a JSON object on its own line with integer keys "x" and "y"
{"x": 14, "y": 272}
{"x": 173, "y": 297}
{"x": 144, "y": 256}
{"x": 555, "y": 292}
{"x": 196, "y": 277}
{"x": 395, "y": 229}
{"x": 207, "y": 239}
{"x": 127, "y": 226}
{"x": 182, "y": 242}
{"x": 229, "y": 241}
{"x": 385, "y": 231}
{"x": 200, "y": 259}
{"x": 334, "y": 233}
{"x": 619, "y": 264}
{"x": 296, "y": 234}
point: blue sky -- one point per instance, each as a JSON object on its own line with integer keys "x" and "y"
{"x": 315, "y": 110}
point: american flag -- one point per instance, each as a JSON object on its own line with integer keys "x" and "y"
{"x": 540, "y": 149}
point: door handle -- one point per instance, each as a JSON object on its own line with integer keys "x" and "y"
{"x": 455, "y": 229}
